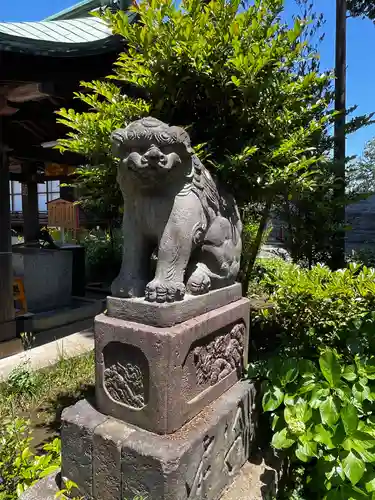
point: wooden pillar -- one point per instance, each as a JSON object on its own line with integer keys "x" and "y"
{"x": 30, "y": 209}
{"x": 7, "y": 323}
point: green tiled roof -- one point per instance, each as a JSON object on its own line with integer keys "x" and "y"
{"x": 72, "y": 31}
{"x": 65, "y": 37}
{"x": 80, "y": 9}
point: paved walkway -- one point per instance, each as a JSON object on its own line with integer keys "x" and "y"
{"x": 254, "y": 482}
{"x": 49, "y": 354}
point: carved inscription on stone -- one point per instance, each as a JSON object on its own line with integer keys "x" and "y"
{"x": 238, "y": 449}
{"x": 126, "y": 374}
{"x": 195, "y": 480}
{"x": 220, "y": 356}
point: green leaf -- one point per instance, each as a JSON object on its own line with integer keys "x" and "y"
{"x": 322, "y": 435}
{"x": 349, "y": 373}
{"x": 275, "y": 420}
{"x": 49, "y": 470}
{"x": 362, "y": 443}
{"x": 367, "y": 456}
{"x": 288, "y": 371}
{"x": 354, "y": 468}
{"x": 370, "y": 481}
{"x": 349, "y": 417}
{"x": 360, "y": 393}
{"x": 307, "y": 368}
{"x": 329, "y": 412}
{"x": 26, "y": 453}
{"x": 330, "y": 367}
{"x": 370, "y": 368}
{"x": 281, "y": 440}
{"x": 318, "y": 395}
{"x": 61, "y": 493}
{"x": 306, "y": 451}
{"x": 272, "y": 398}
{"x": 20, "y": 489}
{"x": 352, "y": 493}
{"x": 307, "y": 386}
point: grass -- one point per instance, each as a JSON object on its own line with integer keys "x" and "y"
{"x": 41, "y": 396}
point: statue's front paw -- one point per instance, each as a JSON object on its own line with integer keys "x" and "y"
{"x": 164, "y": 291}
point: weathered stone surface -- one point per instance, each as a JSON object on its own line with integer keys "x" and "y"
{"x": 196, "y": 462}
{"x": 108, "y": 439}
{"x": 177, "y": 209}
{"x": 44, "y": 489}
{"x": 171, "y": 313}
{"x": 162, "y": 377}
{"x": 78, "y": 424}
{"x": 47, "y": 276}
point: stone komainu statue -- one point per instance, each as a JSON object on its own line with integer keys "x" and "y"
{"x": 173, "y": 205}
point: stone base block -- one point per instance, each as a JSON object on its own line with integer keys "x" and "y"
{"x": 112, "y": 460}
{"x": 159, "y": 378}
{"x": 45, "y": 489}
{"x": 169, "y": 314}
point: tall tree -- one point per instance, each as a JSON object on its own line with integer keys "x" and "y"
{"x": 361, "y": 8}
{"x": 361, "y": 173}
{"x": 228, "y": 70}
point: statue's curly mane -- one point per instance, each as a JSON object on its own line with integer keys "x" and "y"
{"x": 152, "y": 129}
{"x": 200, "y": 181}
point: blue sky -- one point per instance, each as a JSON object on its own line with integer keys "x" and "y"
{"x": 360, "y": 51}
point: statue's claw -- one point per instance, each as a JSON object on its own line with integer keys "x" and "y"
{"x": 164, "y": 291}
{"x": 199, "y": 282}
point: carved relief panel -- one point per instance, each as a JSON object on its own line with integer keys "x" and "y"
{"x": 126, "y": 374}
{"x": 213, "y": 358}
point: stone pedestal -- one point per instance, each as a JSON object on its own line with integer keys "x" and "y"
{"x": 113, "y": 460}
{"x": 159, "y": 378}
{"x": 172, "y": 419}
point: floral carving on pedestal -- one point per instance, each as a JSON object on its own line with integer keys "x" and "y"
{"x": 125, "y": 374}
{"x": 220, "y": 356}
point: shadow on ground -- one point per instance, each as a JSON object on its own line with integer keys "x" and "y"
{"x": 44, "y": 430}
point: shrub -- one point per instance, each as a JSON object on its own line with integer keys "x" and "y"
{"x": 22, "y": 381}
{"x": 323, "y": 418}
{"x": 20, "y": 467}
{"x": 103, "y": 255}
{"x": 319, "y": 381}
{"x": 318, "y": 308}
